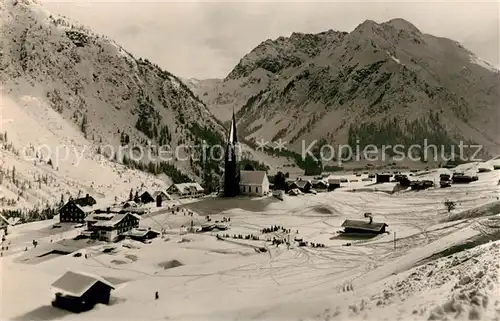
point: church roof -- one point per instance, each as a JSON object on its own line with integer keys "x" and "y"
{"x": 252, "y": 177}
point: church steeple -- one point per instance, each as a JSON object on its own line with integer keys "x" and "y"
{"x": 233, "y": 138}
{"x": 231, "y": 171}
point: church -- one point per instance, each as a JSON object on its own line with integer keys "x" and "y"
{"x": 237, "y": 182}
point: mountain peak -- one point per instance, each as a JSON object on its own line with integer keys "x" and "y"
{"x": 401, "y": 24}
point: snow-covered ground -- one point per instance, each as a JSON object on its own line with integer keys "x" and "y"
{"x": 417, "y": 277}
{"x": 36, "y": 134}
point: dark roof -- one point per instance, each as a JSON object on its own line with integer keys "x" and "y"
{"x": 85, "y": 201}
{"x": 364, "y": 225}
{"x": 77, "y": 283}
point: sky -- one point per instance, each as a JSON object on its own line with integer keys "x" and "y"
{"x": 206, "y": 39}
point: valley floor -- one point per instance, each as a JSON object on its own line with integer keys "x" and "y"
{"x": 437, "y": 269}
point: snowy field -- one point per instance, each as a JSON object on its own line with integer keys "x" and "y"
{"x": 428, "y": 273}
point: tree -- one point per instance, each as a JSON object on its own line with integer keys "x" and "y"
{"x": 280, "y": 181}
{"x": 450, "y": 205}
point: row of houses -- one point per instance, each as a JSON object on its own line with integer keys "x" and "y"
{"x": 306, "y": 186}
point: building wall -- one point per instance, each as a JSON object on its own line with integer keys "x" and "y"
{"x": 254, "y": 190}
{"x": 71, "y": 213}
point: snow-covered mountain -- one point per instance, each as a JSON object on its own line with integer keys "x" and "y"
{"x": 72, "y": 90}
{"x": 388, "y": 78}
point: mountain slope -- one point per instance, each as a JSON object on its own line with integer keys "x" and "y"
{"x": 258, "y": 69}
{"x": 111, "y": 96}
{"x": 382, "y": 83}
{"x": 73, "y": 103}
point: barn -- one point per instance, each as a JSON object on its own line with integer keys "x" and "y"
{"x": 363, "y": 227}
{"x": 78, "y": 292}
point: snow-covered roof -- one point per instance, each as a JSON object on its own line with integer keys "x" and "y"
{"x": 252, "y": 178}
{"x": 155, "y": 194}
{"x": 86, "y": 209}
{"x": 114, "y": 220}
{"x": 77, "y": 283}
{"x": 140, "y": 232}
{"x": 185, "y": 187}
{"x": 363, "y": 225}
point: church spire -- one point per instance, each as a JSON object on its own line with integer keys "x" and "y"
{"x": 233, "y": 138}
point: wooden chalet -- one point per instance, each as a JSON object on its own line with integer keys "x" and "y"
{"x": 79, "y": 292}
{"x": 111, "y": 227}
{"x": 186, "y": 190}
{"x": 363, "y": 227}
{"x": 72, "y": 212}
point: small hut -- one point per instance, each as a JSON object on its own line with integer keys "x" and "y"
{"x": 78, "y": 291}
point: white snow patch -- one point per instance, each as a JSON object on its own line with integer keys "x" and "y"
{"x": 483, "y": 63}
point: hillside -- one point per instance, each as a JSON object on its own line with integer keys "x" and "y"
{"x": 385, "y": 83}
{"x": 111, "y": 96}
{"x": 69, "y": 90}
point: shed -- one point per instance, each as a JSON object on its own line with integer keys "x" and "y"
{"x": 79, "y": 291}
{"x": 364, "y": 227}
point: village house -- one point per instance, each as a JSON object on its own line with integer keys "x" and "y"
{"x": 146, "y": 197}
{"x": 79, "y": 292}
{"x": 186, "y": 190}
{"x": 319, "y": 184}
{"x": 110, "y": 227}
{"x": 254, "y": 183}
{"x": 141, "y": 234}
{"x": 363, "y": 227}
{"x": 303, "y": 185}
{"x": 71, "y": 212}
{"x": 164, "y": 196}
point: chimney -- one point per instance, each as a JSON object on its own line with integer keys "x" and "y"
{"x": 108, "y": 209}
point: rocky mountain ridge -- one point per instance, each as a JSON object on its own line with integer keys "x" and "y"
{"x": 112, "y": 97}
{"x": 382, "y": 83}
